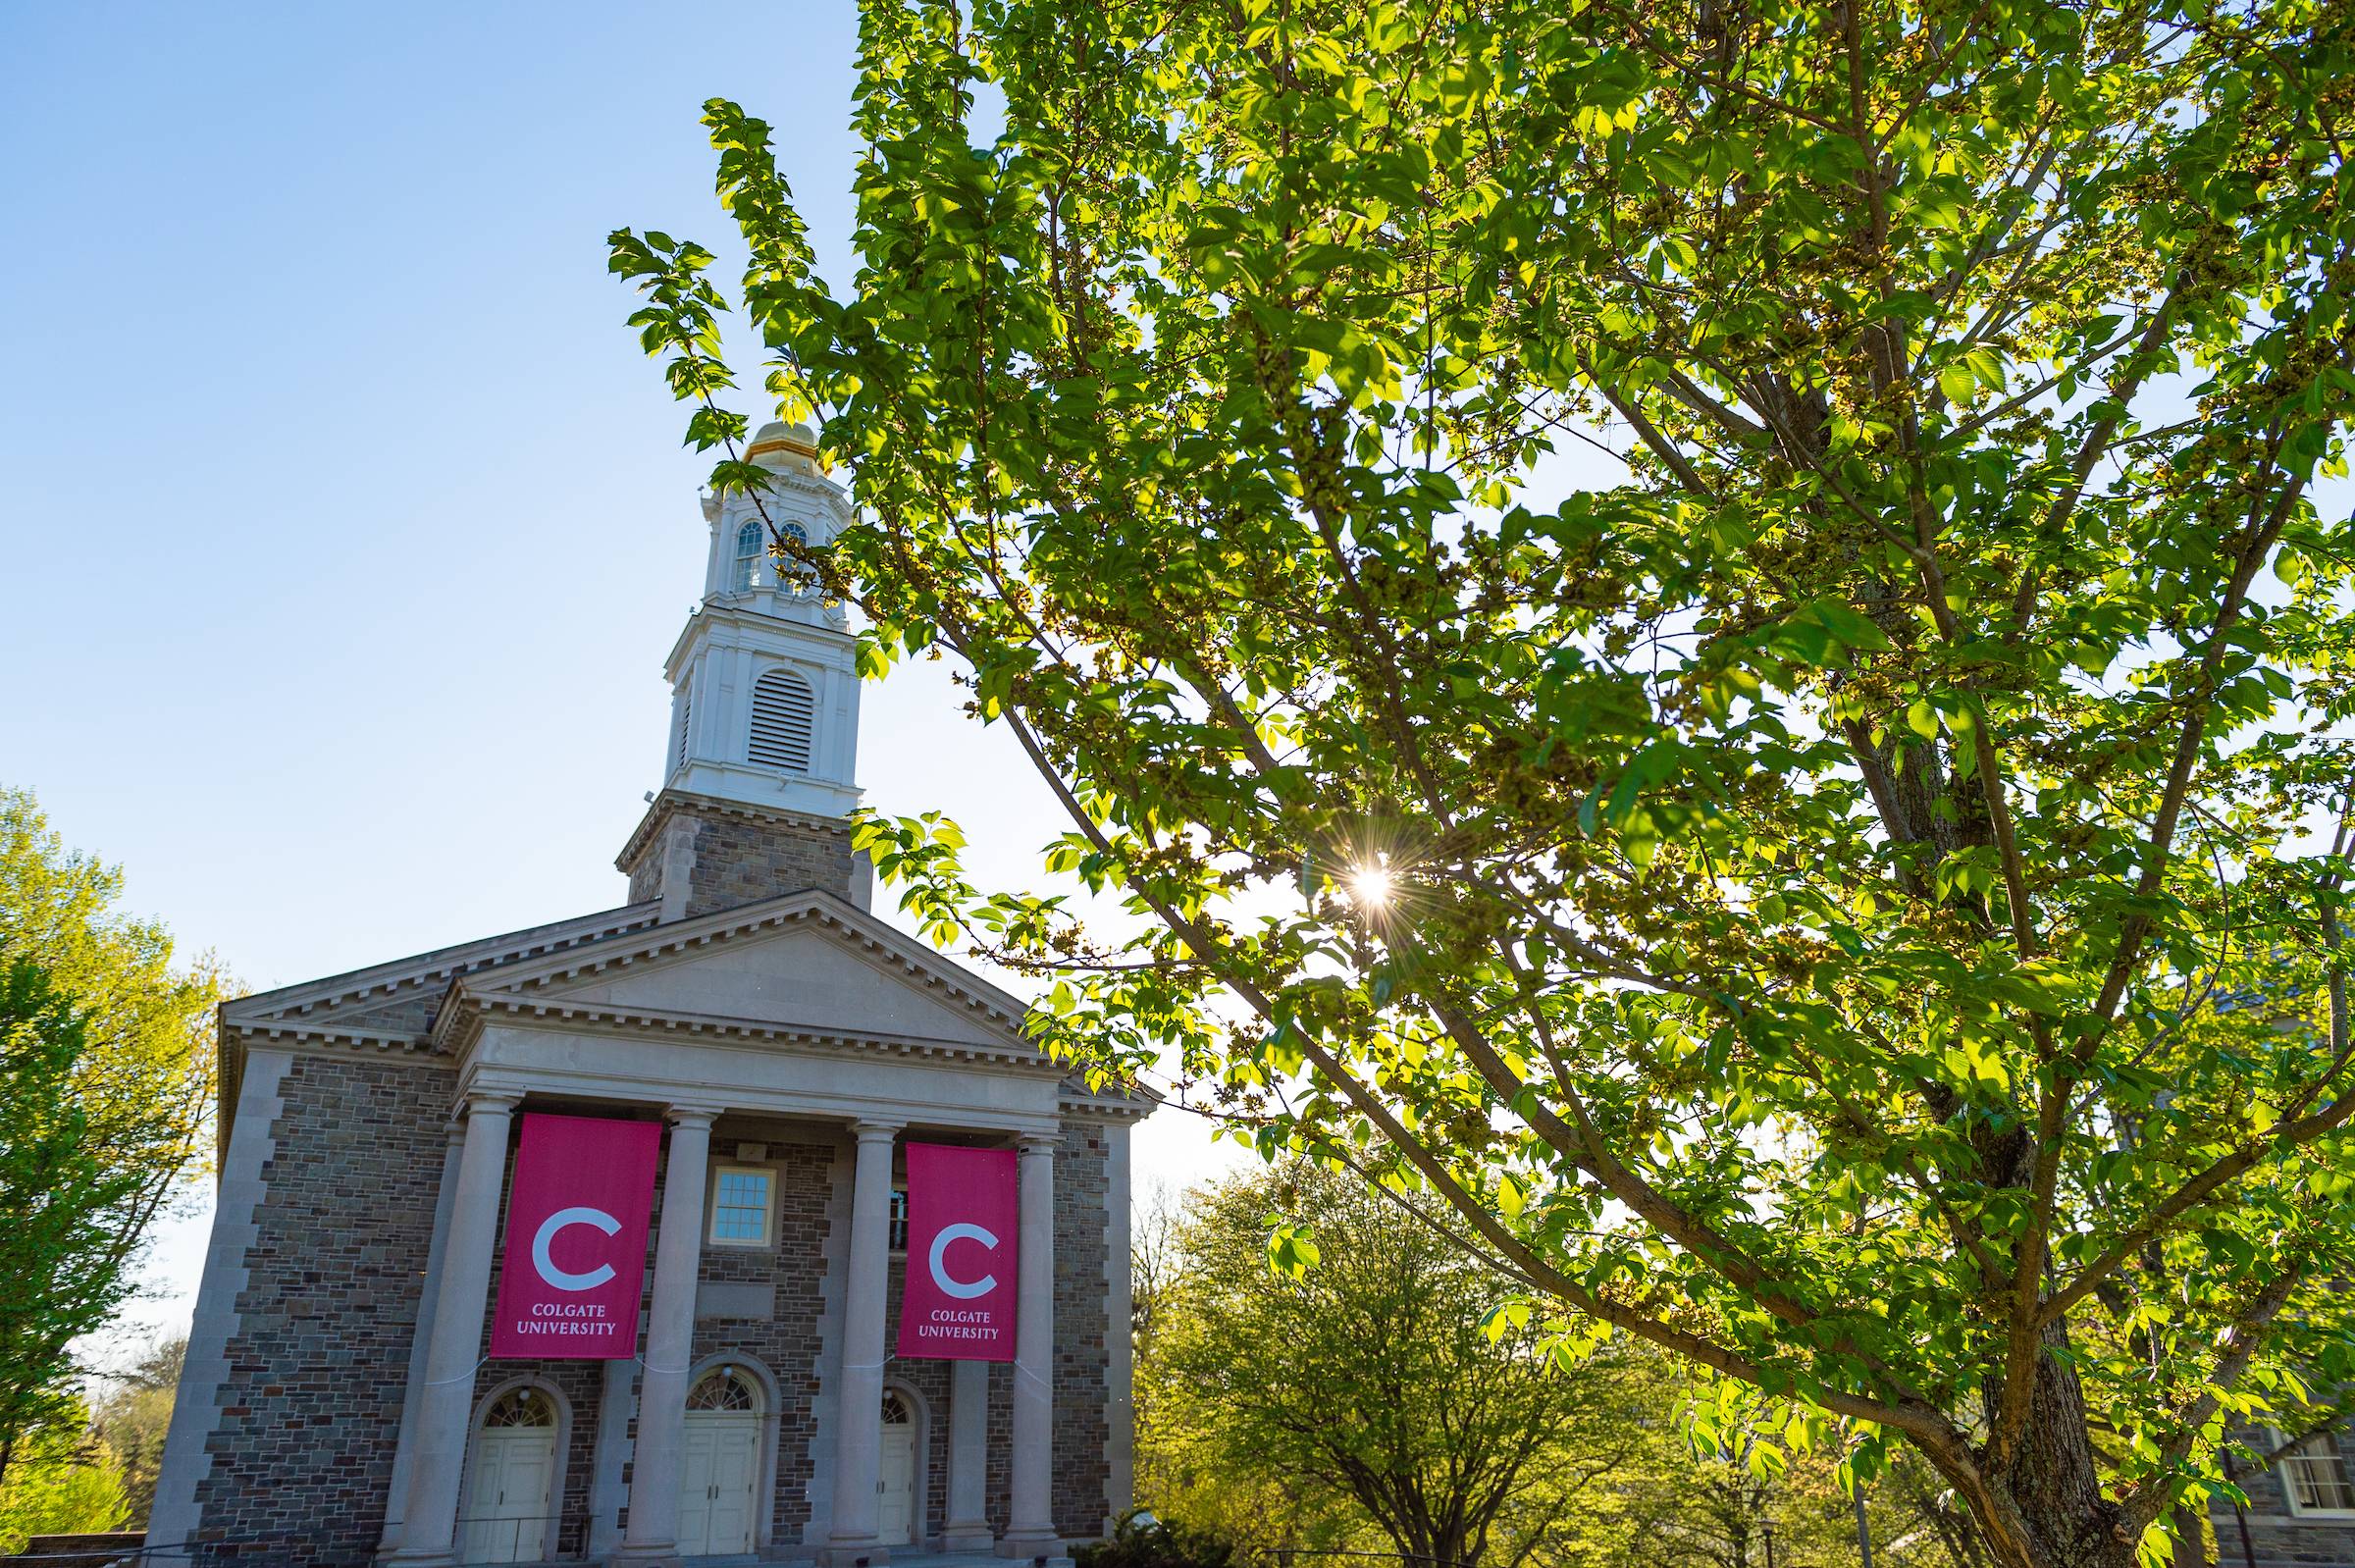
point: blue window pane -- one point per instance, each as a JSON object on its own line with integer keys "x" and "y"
{"x": 740, "y": 1207}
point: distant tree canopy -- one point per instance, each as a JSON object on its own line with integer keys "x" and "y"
{"x": 106, "y": 1075}
{"x": 1355, "y": 1378}
{"x": 1320, "y": 1375}
{"x": 60, "y": 1481}
{"x": 1846, "y": 882}
{"x": 134, "y": 1415}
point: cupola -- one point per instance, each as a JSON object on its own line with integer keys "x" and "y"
{"x": 761, "y": 762}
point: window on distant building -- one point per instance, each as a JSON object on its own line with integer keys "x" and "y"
{"x": 742, "y": 1206}
{"x": 750, "y": 547}
{"x": 2315, "y": 1475}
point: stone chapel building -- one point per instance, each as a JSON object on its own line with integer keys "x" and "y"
{"x": 338, "y": 1404}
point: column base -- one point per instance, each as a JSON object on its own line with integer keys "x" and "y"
{"x": 416, "y": 1557}
{"x": 964, "y": 1537}
{"x": 850, "y": 1553}
{"x": 1030, "y": 1544}
{"x": 666, "y": 1555}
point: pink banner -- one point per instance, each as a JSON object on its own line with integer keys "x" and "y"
{"x": 964, "y": 1209}
{"x": 577, "y": 1218}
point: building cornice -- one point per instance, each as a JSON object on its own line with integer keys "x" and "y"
{"x": 787, "y": 481}
{"x": 1131, "y": 1106}
{"x": 670, "y": 800}
{"x": 462, "y": 1026}
{"x": 328, "y": 1039}
{"x": 724, "y": 609}
{"x": 435, "y": 965}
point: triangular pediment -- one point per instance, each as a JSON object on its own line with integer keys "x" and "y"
{"x": 805, "y": 965}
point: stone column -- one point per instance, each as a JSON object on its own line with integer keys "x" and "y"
{"x": 859, "y": 1412}
{"x": 445, "y": 1402}
{"x": 966, "y": 1528}
{"x": 654, "y": 1531}
{"x": 428, "y": 1296}
{"x": 615, "y": 1404}
{"x": 1030, "y": 1520}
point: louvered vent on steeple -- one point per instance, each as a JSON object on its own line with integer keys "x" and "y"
{"x": 678, "y": 757}
{"x": 784, "y": 709}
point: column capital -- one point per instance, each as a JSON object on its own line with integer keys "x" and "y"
{"x": 692, "y": 1116}
{"x": 877, "y": 1132}
{"x": 492, "y": 1102}
{"x": 1034, "y": 1144}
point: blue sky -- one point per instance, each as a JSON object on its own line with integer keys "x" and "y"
{"x": 343, "y": 526}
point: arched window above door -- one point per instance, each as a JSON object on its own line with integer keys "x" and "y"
{"x": 520, "y": 1407}
{"x": 725, "y": 1390}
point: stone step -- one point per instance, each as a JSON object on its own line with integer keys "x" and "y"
{"x": 86, "y": 1550}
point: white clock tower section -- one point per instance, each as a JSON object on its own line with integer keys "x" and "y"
{"x": 764, "y": 693}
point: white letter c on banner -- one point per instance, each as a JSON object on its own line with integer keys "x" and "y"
{"x": 940, "y": 1276}
{"x": 547, "y": 1233}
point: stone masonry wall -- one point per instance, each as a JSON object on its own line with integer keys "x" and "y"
{"x": 319, "y": 1364}
{"x": 741, "y": 856}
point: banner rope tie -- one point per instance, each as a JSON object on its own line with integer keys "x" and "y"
{"x": 444, "y": 1382}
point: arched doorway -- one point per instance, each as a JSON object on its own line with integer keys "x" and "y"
{"x": 511, "y": 1493}
{"x": 719, "y": 1465}
{"x": 895, "y": 1490}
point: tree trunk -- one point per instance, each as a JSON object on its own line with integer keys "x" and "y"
{"x": 2191, "y": 1543}
{"x": 2045, "y": 1509}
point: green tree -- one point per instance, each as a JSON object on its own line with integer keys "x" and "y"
{"x": 1699, "y": 629}
{"x": 1321, "y": 1355}
{"x": 1183, "y": 1470}
{"x": 108, "y": 1072}
{"x": 1739, "y": 1497}
{"x": 57, "y": 1278}
{"x": 63, "y": 1481}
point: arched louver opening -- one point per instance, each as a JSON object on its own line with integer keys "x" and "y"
{"x": 678, "y": 747}
{"x": 750, "y": 547}
{"x": 784, "y": 709}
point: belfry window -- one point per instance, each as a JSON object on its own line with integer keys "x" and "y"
{"x": 791, "y": 573}
{"x": 784, "y": 711}
{"x": 750, "y": 547}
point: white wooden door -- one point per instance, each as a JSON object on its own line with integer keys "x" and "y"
{"x": 717, "y": 1470}
{"x": 507, "y": 1504}
{"x": 895, "y": 1486}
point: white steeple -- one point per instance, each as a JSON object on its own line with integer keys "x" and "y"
{"x": 764, "y": 693}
